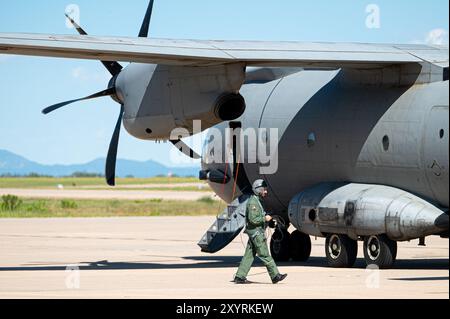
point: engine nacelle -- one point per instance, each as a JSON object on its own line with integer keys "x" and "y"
{"x": 159, "y": 98}
{"x": 364, "y": 210}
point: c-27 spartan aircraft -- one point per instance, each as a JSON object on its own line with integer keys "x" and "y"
{"x": 363, "y": 130}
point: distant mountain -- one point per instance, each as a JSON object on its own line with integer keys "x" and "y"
{"x": 12, "y": 164}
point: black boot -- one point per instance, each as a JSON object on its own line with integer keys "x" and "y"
{"x": 279, "y": 278}
{"x": 240, "y": 281}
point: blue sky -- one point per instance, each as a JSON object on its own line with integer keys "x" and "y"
{"x": 82, "y": 132}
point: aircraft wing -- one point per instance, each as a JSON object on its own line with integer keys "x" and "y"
{"x": 202, "y": 53}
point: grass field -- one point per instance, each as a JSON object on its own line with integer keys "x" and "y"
{"x": 31, "y": 208}
{"x": 45, "y": 208}
{"x": 74, "y": 183}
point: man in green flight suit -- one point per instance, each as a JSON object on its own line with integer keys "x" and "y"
{"x": 256, "y": 219}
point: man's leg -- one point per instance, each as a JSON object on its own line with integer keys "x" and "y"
{"x": 263, "y": 253}
{"x": 247, "y": 261}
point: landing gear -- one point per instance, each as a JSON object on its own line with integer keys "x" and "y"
{"x": 341, "y": 251}
{"x": 300, "y": 246}
{"x": 380, "y": 251}
{"x": 285, "y": 246}
{"x": 279, "y": 245}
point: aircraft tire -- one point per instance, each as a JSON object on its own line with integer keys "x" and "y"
{"x": 279, "y": 245}
{"x": 300, "y": 246}
{"x": 380, "y": 251}
{"x": 341, "y": 251}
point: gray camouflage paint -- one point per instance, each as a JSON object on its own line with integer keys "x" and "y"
{"x": 352, "y": 118}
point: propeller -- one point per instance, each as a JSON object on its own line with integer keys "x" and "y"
{"x": 143, "y": 33}
{"x": 107, "y": 92}
{"x": 110, "y": 170}
{"x": 113, "y": 67}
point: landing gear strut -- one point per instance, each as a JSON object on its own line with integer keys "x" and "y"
{"x": 341, "y": 251}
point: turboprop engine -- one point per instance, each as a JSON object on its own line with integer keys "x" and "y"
{"x": 159, "y": 99}
{"x": 359, "y": 210}
{"x": 155, "y": 100}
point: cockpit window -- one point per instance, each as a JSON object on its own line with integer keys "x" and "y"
{"x": 311, "y": 139}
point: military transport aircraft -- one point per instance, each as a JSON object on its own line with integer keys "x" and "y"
{"x": 363, "y": 130}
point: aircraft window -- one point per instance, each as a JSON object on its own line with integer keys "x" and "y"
{"x": 442, "y": 133}
{"x": 311, "y": 139}
{"x": 386, "y": 143}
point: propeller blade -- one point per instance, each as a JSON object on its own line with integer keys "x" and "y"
{"x": 110, "y": 171}
{"x": 108, "y": 92}
{"x": 185, "y": 149}
{"x": 113, "y": 67}
{"x": 79, "y": 29}
{"x": 143, "y": 33}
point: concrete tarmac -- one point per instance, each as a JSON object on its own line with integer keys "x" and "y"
{"x": 158, "y": 258}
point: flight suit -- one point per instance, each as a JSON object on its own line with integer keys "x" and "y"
{"x": 257, "y": 244}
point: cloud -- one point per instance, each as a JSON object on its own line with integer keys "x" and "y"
{"x": 437, "y": 36}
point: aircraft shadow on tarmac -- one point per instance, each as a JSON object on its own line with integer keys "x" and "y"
{"x": 226, "y": 262}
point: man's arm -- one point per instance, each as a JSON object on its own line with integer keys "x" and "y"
{"x": 255, "y": 213}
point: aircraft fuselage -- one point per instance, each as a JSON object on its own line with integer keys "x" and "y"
{"x": 333, "y": 128}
